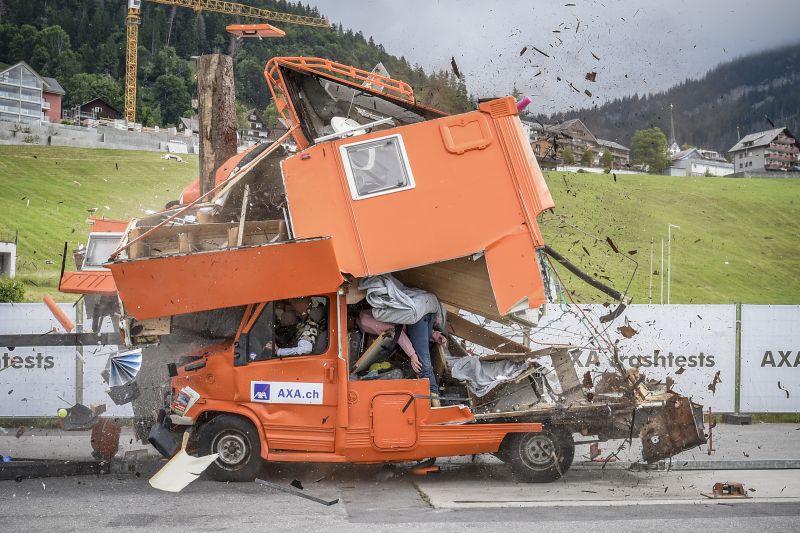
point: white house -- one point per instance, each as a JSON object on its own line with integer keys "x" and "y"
{"x": 699, "y": 162}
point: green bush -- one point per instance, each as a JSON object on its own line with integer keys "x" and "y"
{"x": 11, "y": 291}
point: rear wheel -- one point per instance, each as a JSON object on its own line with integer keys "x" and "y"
{"x": 539, "y": 457}
{"x": 237, "y": 443}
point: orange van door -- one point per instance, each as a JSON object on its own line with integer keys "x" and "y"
{"x": 294, "y": 396}
{"x": 394, "y": 421}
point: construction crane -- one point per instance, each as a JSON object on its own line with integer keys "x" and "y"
{"x": 134, "y": 19}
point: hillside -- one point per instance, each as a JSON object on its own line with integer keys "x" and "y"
{"x": 48, "y": 191}
{"x": 737, "y": 242}
{"x": 81, "y": 43}
{"x": 707, "y": 111}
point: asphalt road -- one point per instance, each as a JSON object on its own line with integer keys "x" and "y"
{"x": 463, "y": 497}
{"x": 467, "y": 495}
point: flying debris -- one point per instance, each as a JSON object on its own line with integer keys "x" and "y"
{"x": 454, "y": 66}
{"x": 124, "y": 366}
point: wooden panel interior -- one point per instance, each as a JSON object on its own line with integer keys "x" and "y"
{"x": 462, "y": 283}
{"x": 188, "y": 238}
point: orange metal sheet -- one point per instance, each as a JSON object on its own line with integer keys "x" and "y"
{"x": 514, "y": 272}
{"x": 104, "y": 225}
{"x": 202, "y": 281}
{"x": 88, "y": 282}
{"x": 254, "y": 30}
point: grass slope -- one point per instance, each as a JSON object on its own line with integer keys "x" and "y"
{"x": 739, "y": 239}
{"x": 46, "y": 193}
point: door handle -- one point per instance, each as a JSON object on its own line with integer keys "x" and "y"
{"x": 330, "y": 373}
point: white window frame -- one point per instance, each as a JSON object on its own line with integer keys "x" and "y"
{"x": 348, "y": 169}
{"x": 98, "y": 235}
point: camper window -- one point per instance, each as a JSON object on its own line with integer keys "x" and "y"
{"x": 378, "y": 166}
{"x": 294, "y": 327}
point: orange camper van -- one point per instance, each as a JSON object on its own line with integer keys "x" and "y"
{"x": 368, "y": 182}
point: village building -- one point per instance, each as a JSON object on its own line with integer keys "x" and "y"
{"x": 27, "y": 97}
{"x": 699, "y": 162}
{"x": 254, "y": 131}
{"x": 775, "y": 150}
{"x": 549, "y": 142}
{"x": 188, "y": 126}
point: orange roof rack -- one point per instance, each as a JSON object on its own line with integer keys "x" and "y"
{"x": 363, "y": 80}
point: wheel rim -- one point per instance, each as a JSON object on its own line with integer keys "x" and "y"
{"x": 538, "y": 451}
{"x": 232, "y": 449}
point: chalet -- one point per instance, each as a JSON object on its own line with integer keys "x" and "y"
{"x": 99, "y": 108}
{"x": 254, "y": 131}
{"x": 774, "y": 150}
{"x": 188, "y": 126}
{"x": 549, "y": 141}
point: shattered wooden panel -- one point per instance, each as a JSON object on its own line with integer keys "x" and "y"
{"x": 463, "y": 283}
{"x": 463, "y": 328}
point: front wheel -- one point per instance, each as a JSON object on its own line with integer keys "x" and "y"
{"x": 237, "y": 443}
{"x": 539, "y": 457}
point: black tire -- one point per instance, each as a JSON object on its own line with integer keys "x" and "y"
{"x": 539, "y": 457}
{"x": 238, "y": 445}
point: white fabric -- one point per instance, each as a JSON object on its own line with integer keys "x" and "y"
{"x": 482, "y": 376}
{"x": 303, "y": 347}
{"x": 395, "y": 303}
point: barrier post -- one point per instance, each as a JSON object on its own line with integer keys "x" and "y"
{"x": 79, "y": 353}
{"x": 738, "y": 384}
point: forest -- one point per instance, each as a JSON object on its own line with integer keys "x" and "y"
{"x": 81, "y": 43}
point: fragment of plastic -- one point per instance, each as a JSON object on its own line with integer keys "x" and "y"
{"x": 7, "y": 458}
{"x": 124, "y": 394}
{"x": 124, "y": 367}
{"x": 181, "y": 470}
{"x": 385, "y": 365}
{"x": 186, "y": 398}
{"x": 524, "y": 102}
{"x": 79, "y": 418}
{"x": 59, "y": 315}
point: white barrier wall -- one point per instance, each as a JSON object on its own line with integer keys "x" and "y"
{"x": 37, "y": 381}
{"x": 770, "y": 364}
{"x": 700, "y": 339}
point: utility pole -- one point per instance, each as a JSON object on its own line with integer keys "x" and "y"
{"x": 216, "y": 115}
{"x": 669, "y": 256}
{"x": 661, "y": 300}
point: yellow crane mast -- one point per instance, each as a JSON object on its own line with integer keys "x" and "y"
{"x": 134, "y": 19}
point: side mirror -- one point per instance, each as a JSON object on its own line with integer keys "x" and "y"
{"x": 240, "y": 350}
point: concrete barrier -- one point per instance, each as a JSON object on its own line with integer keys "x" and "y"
{"x": 46, "y": 134}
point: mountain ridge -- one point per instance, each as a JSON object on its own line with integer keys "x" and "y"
{"x": 747, "y": 92}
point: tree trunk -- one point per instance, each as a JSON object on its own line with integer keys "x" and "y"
{"x": 216, "y": 115}
{"x": 170, "y": 23}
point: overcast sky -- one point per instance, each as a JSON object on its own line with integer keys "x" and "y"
{"x": 642, "y": 45}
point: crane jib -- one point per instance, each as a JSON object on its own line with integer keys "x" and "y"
{"x": 232, "y": 8}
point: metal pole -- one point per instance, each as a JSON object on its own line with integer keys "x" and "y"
{"x": 661, "y": 300}
{"x": 669, "y": 257}
{"x": 650, "y": 291}
{"x": 79, "y": 353}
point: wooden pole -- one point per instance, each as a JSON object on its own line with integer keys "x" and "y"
{"x": 216, "y": 115}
